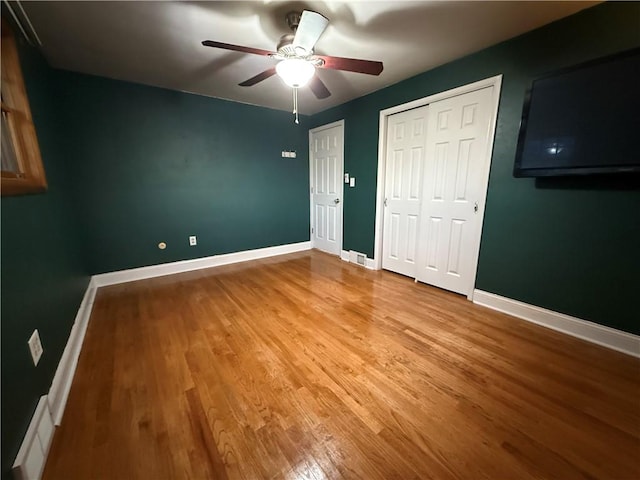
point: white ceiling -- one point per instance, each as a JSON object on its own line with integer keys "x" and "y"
{"x": 159, "y": 43}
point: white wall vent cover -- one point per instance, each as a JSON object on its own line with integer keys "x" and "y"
{"x": 357, "y": 257}
{"x": 32, "y": 456}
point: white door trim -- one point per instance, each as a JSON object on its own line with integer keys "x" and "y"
{"x": 338, "y": 123}
{"x": 496, "y": 82}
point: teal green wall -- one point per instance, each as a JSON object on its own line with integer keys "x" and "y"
{"x": 43, "y": 278}
{"x": 569, "y": 246}
{"x": 153, "y": 165}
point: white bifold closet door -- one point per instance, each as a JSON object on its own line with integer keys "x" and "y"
{"x": 406, "y": 135}
{"x": 454, "y": 184}
{"x": 436, "y": 164}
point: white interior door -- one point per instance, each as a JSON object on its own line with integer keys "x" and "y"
{"x": 455, "y": 182}
{"x": 326, "y": 157}
{"x": 406, "y": 135}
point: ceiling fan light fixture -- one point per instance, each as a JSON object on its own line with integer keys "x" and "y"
{"x": 295, "y": 72}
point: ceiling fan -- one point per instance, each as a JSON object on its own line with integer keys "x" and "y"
{"x": 297, "y": 62}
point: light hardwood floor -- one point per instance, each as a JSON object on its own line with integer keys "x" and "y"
{"x": 306, "y": 367}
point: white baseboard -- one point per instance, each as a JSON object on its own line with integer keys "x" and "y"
{"x": 61, "y": 384}
{"x": 352, "y": 256}
{"x": 592, "y": 332}
{"x": 152, "y": 271}
{"x": 33, "y": 452}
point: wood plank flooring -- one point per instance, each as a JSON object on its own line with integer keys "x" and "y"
{"x": 306, "y": 367}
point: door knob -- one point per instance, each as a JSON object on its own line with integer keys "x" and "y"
{"x": 385, "y": 202}
{"x": 475, "y": 207}
{"x": 336, "y": 201}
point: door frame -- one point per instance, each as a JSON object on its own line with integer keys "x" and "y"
{"x": 338, "y": 123}
{"x": 495, "y": 82}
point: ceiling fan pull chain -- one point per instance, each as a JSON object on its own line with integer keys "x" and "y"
{"x": 295, "y": 103}
{"x": 295, "y": 98}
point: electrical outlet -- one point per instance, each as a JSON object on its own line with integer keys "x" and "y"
{"x": 193, "y": 240}
{"x": 35, "y": 346}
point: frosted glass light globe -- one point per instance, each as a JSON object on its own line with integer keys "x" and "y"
{"x": 295, "y": 72}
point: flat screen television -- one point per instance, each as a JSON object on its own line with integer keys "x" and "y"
{"x": 582, "y": 120}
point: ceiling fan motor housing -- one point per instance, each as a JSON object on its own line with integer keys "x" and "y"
{"x": 285, "y": 46}
{"x": 293, "y": 20}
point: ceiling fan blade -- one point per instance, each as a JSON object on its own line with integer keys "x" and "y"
{"x": 258, "y": 78}
{"x": 370, "y": 67}
{"x": 311, "y": 26}
{"x": 318, "y": 88}
{"x": 237, "y": 48}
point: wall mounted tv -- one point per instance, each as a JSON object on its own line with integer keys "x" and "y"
{"x": 582, "y": 120}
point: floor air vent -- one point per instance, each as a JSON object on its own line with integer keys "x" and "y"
{"x": 357, "y": 257}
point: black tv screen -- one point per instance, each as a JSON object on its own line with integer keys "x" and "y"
{"x": 582, "y": 120}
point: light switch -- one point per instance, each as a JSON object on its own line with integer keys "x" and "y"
{"x": 352, "y": 182}
{"x": 346, "y": 178}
